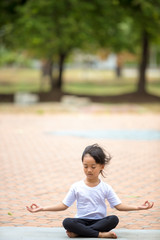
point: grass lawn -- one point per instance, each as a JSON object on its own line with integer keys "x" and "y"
{"x": 96, "y": 82}
{"x": 93, "y": 88}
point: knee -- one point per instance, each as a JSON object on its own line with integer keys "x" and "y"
{"x": 115, "y": 220}
{"x": 66, "y": 223}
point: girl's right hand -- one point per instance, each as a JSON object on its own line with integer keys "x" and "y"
{"x": 34, "y": 208}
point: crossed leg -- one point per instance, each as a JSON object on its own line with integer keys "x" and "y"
{"x": 91, "y": 228}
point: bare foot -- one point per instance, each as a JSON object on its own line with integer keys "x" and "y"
{"x": 107, "y": 235}
{"x": 71, "y": 234}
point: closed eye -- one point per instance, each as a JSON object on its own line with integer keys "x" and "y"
{"x": 87, "y": 167}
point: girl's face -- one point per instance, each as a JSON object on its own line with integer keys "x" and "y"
{"x": 91, "y": 168}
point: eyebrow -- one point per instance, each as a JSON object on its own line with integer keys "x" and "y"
{"x": 94, "y": 164}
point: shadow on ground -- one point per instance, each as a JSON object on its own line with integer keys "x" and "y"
{"x": 133, "y": 97}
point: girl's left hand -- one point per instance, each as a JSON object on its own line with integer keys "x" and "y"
{"x": 146, "y": 205}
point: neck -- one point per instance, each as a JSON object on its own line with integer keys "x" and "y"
{"x": 92, "y": 182}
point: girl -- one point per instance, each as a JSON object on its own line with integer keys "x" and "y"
{"x": 90, "y": 194}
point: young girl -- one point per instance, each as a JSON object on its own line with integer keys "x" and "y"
{"x": 91, "y": 219}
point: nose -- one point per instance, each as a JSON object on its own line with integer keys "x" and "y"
{"x": 89, "y": 170}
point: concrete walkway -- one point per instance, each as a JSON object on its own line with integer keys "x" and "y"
{"x": 35, "y": 233}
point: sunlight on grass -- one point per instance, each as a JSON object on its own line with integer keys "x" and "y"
{"x": 154, "y": 88}
{"x": 98, "y": 89}
{"x": 76, "y": 81}
{"x": 20, "y": 80}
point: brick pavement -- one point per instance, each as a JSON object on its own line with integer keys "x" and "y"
{"x": 38, "y": 167}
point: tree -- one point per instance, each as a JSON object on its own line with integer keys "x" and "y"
{"x": 146, "y": 21}
{"x": 128, "y": 25}
{"x": 51, "y": 30}
{"x": 111, "y": 28}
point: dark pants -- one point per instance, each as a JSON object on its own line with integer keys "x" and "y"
{"x": 90, "y": 227}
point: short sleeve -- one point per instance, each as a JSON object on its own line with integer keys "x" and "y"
{"x": 112, "y": 198}
{"x": 70, "y": 197}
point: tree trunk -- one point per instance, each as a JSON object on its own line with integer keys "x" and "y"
{"x": 61, "y": 66}
{"x": 143, "y": 64}
{"x": 119, "y": 66}
{"x": 118, "y": 72}
{"x": 50, "y": 74}
{"x": 47, "y": 71}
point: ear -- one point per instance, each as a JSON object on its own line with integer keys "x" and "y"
{"x": 102, "y": 167}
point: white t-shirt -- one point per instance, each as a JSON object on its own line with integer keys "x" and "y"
{"x": 91, "y": 200}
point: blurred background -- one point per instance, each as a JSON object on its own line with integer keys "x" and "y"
{"x": 107, "y": 51}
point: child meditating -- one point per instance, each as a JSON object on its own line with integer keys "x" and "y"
{"x": 91, "y": 219}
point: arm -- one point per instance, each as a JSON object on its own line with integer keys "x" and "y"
{"x": 124, "y": 207}
{"x": 35, "y": 208}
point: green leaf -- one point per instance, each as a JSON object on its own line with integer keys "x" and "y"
{"x": 9, "y": 213}
{"x": 132, "y": 196}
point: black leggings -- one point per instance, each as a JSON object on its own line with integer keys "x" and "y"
{"x": 90, "y": 227}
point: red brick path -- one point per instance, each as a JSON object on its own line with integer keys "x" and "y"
{"x": 39, "y": 168}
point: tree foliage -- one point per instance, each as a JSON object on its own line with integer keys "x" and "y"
{"x": 52, "y": 29}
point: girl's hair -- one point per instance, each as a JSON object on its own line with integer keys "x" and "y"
{"x": 98, "y": 153}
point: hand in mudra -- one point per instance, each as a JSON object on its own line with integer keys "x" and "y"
{"x": 34, "y": 208}
{"x": 146, "y": 205}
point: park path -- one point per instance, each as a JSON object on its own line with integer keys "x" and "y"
{"x": 38, "y": 167}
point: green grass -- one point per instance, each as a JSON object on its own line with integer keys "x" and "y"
{"x": 76, "y": 82}
{"x": 109, "y": 88}
{"x": 23, "y": 87}
{"x": 154, "y": 87}
{"x": 92, "y": 88}
{"x": 20, "y": 80}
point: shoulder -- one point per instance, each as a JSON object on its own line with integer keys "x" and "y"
{"x": 77, "y": 184}
{"x": 107, "y": 190}
{"x": 105, "y": 186}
